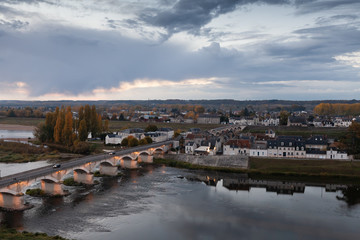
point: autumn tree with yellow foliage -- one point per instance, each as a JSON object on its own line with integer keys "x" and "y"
{"x": 60, "y": 127}
{"x": 337, "y": 109}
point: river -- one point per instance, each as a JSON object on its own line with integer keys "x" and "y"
{"x": 15, "y": 134}
{"x": 169, "y": 203}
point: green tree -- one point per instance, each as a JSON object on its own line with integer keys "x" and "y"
{"x": 148, "y": 139}
{"x": 284, "y": 115}
{"x": 151, "y": 128}
{"x": 143, "y": 142}
{"x": 133, "y": 142}
{"x": 352, "y": 139}
{"x": 125, "y": 142}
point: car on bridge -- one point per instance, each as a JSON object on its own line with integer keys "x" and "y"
{"x": 56, "y": 165}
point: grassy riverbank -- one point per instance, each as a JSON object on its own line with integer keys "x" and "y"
{"x": 310, "y": 170}
{"x": 12, "y": 234}
{"x": 16, "y": 152}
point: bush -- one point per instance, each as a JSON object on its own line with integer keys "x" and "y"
{"x": 133, "y": 142}
{"x": 71, "y": 182}
{"x": 148, "y": 139}
{"x": 81, "y": 148}
{"x": 35, "y": 192}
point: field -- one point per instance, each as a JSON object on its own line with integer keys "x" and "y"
{"x": 299, "y": 131}
{"x": 113, "y": 125}
{"x": 121, "y": 125}
{"x": 305, "y": 167}
{"x": 21, "y": 121}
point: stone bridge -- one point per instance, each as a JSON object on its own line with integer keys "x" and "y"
{"x": 12, "y": 195}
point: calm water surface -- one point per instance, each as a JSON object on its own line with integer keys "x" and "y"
{"x": 15, "y": 134}
{"x": 167, "y": 203}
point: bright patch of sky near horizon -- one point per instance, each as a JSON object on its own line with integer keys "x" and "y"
{"x": 187, "y": 49}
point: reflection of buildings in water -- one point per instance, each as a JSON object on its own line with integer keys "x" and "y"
{"x": 280, "y": 187}
{"x": 334, "y": 187}
{"x": 241, "y": 184}
{"x": 210, "y": 181}
{"x": 351, "y": 195}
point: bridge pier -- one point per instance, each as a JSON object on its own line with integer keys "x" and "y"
{"x": 108, "y": 170}
{"x": 145, "y": 158}
{"x": 130, "y": 164}
{"x": 51, "y": 187}
{"x": 81, "y": 176}
{"x": 12, "y": 202}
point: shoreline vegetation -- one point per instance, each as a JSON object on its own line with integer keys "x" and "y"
{"x": 13, "y": 234}
{"x": 328, "y": 171}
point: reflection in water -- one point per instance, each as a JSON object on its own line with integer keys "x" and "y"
{"x": 166, "y": 203}
{"x": 12, "y": 219}
{"x": 351, "y": 195}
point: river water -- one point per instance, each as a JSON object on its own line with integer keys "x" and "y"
{"x": 169, "y": 203}
{"x": 15, "y": 134}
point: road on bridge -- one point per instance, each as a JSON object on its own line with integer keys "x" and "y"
{"x": 31, "y": 174}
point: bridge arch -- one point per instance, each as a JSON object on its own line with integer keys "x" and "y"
{"x": 106, "y": 164}
{"x": 81, "y": 170}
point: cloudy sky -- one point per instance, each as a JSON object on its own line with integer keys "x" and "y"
{"x": 185, "y": 49}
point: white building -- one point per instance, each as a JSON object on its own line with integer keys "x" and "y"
{"x": 335, "y": 154}
{"x": 259, "y": 149}
{"x": 155, "y": 136}
{"x": 190, "y": 148}
{"x": 236, "y": 147}
{"x": 113, "y": 139}
{"x": 169, "y": 132}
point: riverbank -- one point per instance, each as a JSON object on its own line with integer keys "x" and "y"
{"x": 312, "y": 170}
{"x": 16, "y": 127}
{"x": 12, "y": 234}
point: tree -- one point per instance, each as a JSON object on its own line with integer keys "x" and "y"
{"x": 352, "y": 138}
{"x": 148, "y": 139}
{"x": 284, "y": 115}
{"x": 60, "y": 121}
{"x": 121, "y": 117}
{"x": 114, "y": 117}
{"x": 177, "y": 133}
{"x": 199, "y": 109}
{"x": 133, "y": 142}
{"x": 11, "y": 113}
{"x": 41, "y": 132}
{"x": 125, "y": 142}
{"x": 151, "y": 128}
{"x": 106, "y": 126}
{"x": 83, "y": 133}
{"x": 67, "y": 132}
{"x": 143, "y": 142}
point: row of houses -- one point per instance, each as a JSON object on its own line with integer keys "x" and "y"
{"x": 316, "y": 147}
{"x": 264, "y": 145}
{"x": 162, "y": 134}
{"x": 301, "y": 121}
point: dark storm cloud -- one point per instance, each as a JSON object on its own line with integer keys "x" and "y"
{"x": 318, "y": 43}
{"x": 191, "y": 15}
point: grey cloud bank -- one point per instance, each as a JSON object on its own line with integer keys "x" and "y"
{"x": 56, "y": 51}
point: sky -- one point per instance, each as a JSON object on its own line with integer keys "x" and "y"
{"x": 179, "y": 49}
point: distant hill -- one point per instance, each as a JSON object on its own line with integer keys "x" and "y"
{"x": 226, "y": 104}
